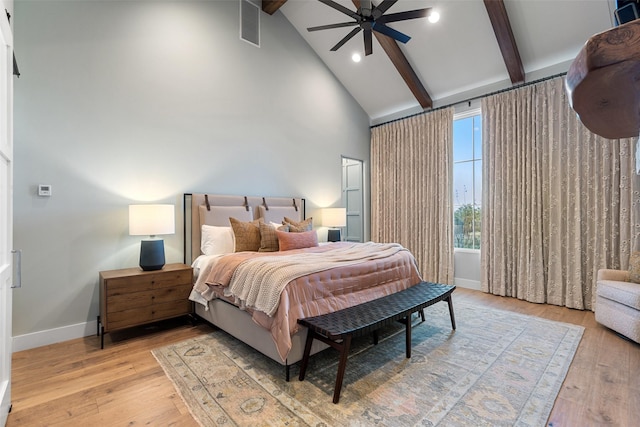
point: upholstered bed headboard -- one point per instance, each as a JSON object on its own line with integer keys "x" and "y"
{"x": 200, "y": 208}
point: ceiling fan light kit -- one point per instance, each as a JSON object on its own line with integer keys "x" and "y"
{"x": 370, "y": 18}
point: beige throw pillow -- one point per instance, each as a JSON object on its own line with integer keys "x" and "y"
{"x": 247, "y": 234}
{"x": 269, "y": 238}
{"x": 298, "y": 226}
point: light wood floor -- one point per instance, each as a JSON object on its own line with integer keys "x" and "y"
{"x": 76, "y": 383}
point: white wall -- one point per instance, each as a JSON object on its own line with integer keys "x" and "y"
{"x": 131, "y": 101}
{"x": 466, "y": 269}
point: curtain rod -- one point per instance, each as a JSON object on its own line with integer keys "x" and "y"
{"x": 473, "y": 98}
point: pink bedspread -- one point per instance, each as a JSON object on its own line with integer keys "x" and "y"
{"x": 325, "y": 291}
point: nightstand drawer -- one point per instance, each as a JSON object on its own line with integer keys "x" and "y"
{"x": 171, "y": 309}
{"x": 126, "y": 301}
{"x": 121, "y": 300}
{"x": 128, "y": 318}
{"x": 172, "y": 279}
{"x": 127, "y": 285}
{"x": 176, "y": 293}
{"x": 148, "y": 281}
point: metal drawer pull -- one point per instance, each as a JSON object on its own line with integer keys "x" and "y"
{"x": 17, "y": 277}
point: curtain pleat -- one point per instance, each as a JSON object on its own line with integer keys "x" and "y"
{"x": 559, "y": 202}
{"x": 411, "y": 178}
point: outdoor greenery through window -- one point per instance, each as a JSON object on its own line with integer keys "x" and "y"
{"x": 467, "y": 180}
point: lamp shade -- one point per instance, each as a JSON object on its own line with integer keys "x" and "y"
{"x": 334, "y": 217}
{"x": 151, "y": 220}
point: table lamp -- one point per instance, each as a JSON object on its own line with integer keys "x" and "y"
{"x": 334, "y": 218}
{"x": 151, "y": 220}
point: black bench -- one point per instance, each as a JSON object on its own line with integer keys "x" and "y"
{"x": 362, "y": 319}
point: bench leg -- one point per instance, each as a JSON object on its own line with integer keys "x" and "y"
{"x": 344, "y": 352}
{"x": 305, "y": 355}
{"x": 453, "y": 318}
{"x": 408, "y": 337}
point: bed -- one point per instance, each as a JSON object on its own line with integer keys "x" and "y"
{"x": 244, "y": 294}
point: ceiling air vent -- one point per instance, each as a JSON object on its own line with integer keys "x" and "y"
{"x": 250, "y": 22}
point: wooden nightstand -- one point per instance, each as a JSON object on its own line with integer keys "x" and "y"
{"x": 132, "y": 297}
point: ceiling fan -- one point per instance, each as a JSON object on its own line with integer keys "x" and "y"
{"x": 370, "y": 18}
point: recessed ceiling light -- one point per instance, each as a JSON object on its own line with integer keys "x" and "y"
{"x": 356, "y": 57}
{"x": 433, "y": 17}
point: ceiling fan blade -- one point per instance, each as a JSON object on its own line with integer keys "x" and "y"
{"x": 327, "y": 27}
{"x": 368, "y": 43}
{"x": 388, "y": 31}
{"x": 341, "y": 8}
{"x": 382, "y": 8}
{"x": 346, "y": 39}
{"x": 403, "y": 16}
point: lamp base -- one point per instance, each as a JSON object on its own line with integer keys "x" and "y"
{"x": 333, "y": 235}
{"x": 152, "y": 254}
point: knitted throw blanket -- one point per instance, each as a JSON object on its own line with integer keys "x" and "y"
{"x": 257, "y": 283}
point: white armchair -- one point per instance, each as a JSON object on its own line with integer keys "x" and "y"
{"x": 618, "y": 303}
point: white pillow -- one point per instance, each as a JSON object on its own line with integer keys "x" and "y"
{"x": 216, "y": 240}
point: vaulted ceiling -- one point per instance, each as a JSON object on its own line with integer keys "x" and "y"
{"x": 477, "y": 47}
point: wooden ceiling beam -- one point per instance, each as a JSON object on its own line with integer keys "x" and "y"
{"x": 399, "y": 60}
{"x": 272, "y": 6}
{"x": 504, "y": 35}
{"x": 401, "y": 63}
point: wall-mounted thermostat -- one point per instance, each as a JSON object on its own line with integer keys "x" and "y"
{"x": 44, "y": 190}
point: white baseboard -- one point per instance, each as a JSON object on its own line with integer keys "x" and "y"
{"x": 466, "y": 283}
{"x": 79, "y": 330}
{"x": 53, "y": 336}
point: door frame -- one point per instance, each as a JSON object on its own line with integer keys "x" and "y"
{"x": 363, "y": 208}
{"x": 6, "y": 212}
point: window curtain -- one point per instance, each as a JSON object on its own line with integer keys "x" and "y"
{"x": 411, "y": 178}
{"x": 559, "y": 202}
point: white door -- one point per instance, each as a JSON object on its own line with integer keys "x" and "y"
{"x": 6, "y": 210}
{"x": 353, "y": 199}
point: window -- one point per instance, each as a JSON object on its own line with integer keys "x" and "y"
{"x": 467, "y": 180}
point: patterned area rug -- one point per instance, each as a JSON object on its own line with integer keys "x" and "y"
{"x": 497, "y": 369}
